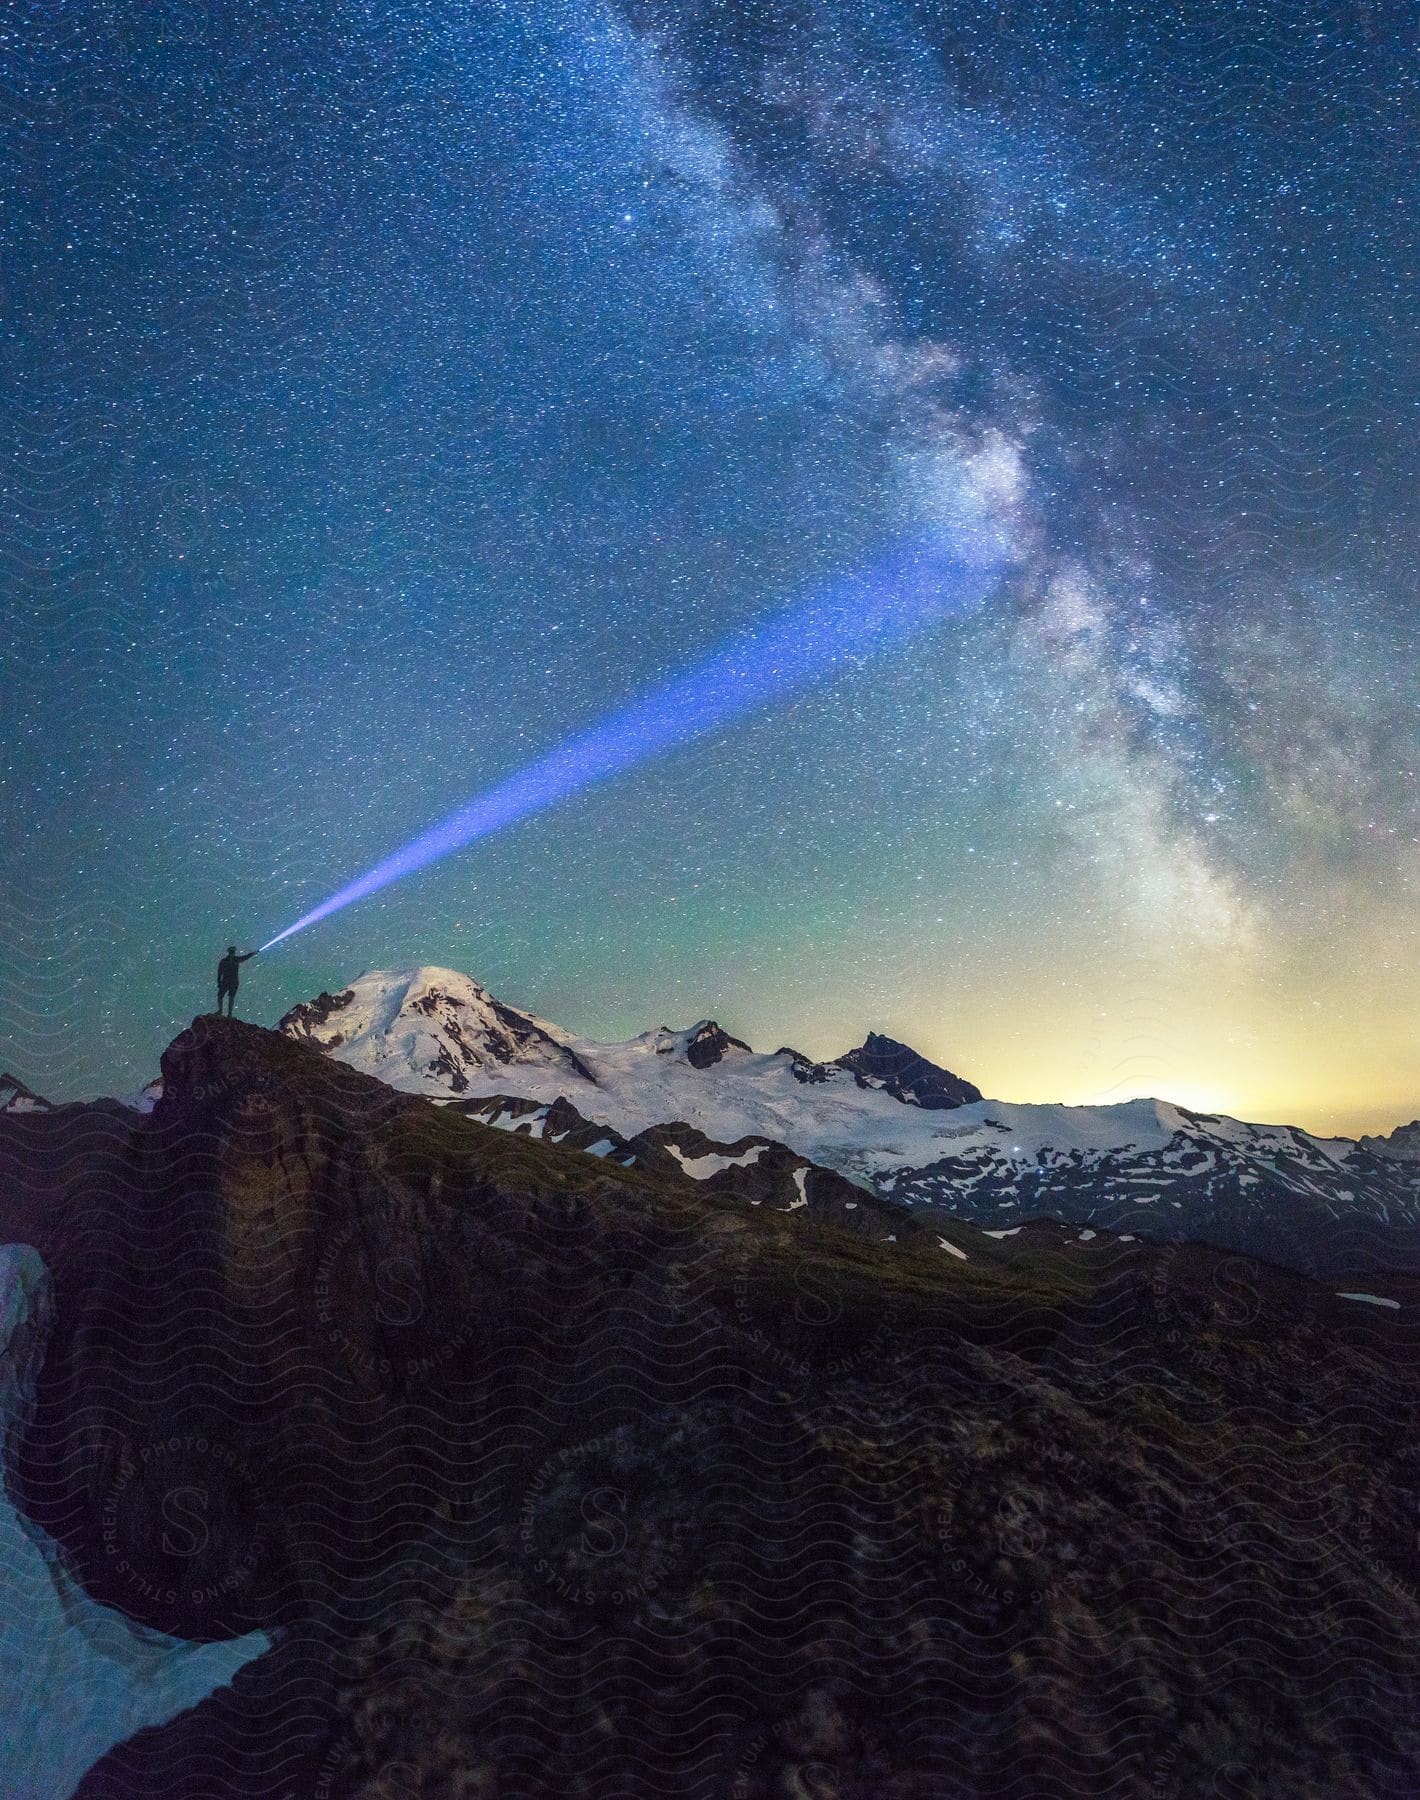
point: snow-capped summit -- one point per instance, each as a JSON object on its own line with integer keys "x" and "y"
{"x": 434, "y": 1031}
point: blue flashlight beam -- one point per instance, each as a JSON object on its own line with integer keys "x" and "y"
{"x": 858, "y": 618}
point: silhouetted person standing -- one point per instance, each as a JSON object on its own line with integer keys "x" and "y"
{"x": 227, "y": 976}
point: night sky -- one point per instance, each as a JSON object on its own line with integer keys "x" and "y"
{"x": 392, "y": 391}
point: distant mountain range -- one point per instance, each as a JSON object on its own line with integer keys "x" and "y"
{"x": 887, "y": 1120}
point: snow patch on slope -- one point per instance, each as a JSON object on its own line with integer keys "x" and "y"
{"x": 62, "y": 1656}
{"x": 701, "y": 1168}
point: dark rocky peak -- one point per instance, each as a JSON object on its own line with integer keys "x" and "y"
{"x": 708, "y": 1042}
{"x": 884, "y": 1063}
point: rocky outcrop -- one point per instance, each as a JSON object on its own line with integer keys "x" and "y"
{"x": 900, "y": 1071}
{"x": 15, "y": 1097}
{"x": 550, "y": 1476}
{"x": 708, "y": 1043}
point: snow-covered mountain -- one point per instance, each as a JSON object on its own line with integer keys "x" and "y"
{"x": 892, "y": 1122}
{"x": 436, "y": 1032}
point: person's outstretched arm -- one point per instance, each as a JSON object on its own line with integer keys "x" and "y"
{"x": 247, "y": 957}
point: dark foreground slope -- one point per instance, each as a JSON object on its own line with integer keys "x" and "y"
{"x": 551, "y": 1477}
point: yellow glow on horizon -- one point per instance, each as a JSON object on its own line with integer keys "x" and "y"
{"x": 1334, "y": 1050}
{"x": 1196, "y": 1096}
{"x": 1331, "y": 1077}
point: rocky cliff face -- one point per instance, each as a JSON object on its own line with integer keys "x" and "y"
{"x": 553, "y": 1476}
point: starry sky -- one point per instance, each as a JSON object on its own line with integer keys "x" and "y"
{"x": 395, "y": 390}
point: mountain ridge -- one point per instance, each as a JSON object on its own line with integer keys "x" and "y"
{"x": 548, "y": 1476}
{"x": 901, "y": 1127}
